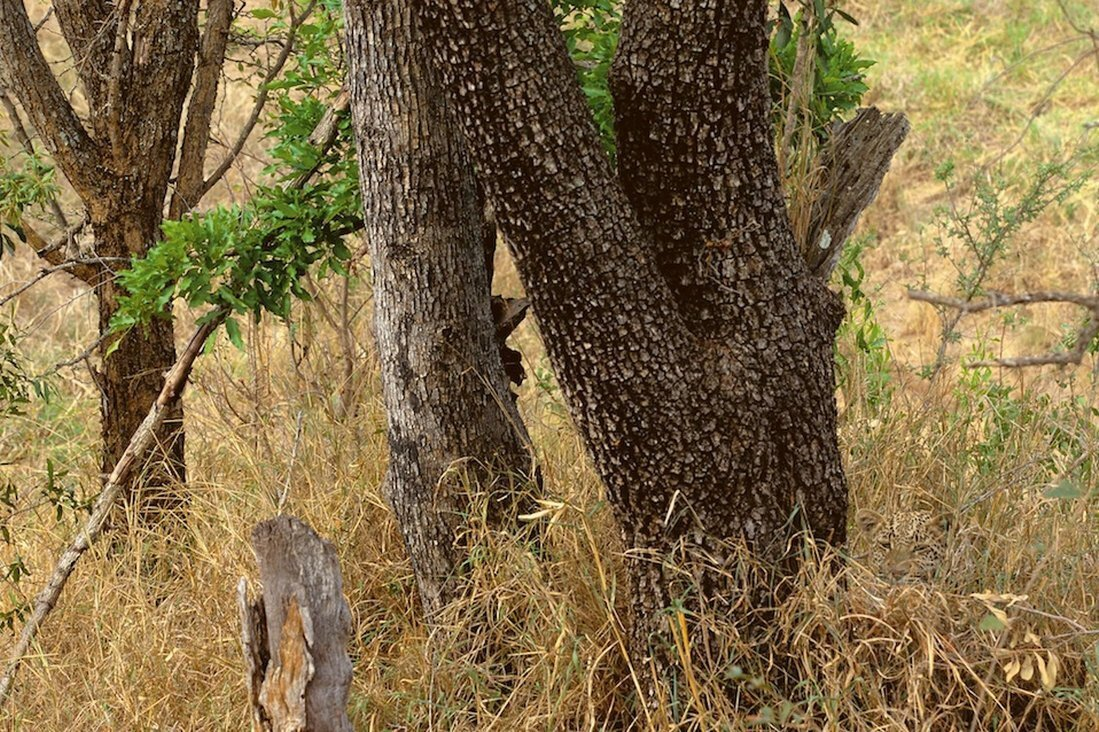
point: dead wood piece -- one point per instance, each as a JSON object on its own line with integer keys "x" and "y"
{"x": 295, "y": 635}
{"x": 855, "y": 164}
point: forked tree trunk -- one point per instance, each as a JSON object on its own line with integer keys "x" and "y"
{"x": 692, "y": 342}
{"x": 134, "y": 63}
{"x": 453, "y": 426}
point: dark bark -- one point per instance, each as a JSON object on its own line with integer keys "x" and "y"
{"x": 131, "y": 376}
{"x": 692, "y": 342}
{"x": 451, "y": 416}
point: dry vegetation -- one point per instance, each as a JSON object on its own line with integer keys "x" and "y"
{"x": 1006, "y": 637}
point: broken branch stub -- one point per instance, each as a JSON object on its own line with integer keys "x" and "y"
{"x": 295, "y": 635}
{"x": 855, "y": 164}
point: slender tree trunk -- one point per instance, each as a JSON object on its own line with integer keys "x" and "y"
{"x": 453, "y": 426}
{"x": 693, "y": 344}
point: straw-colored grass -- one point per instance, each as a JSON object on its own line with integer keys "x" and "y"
{"x": 145, "y": 636}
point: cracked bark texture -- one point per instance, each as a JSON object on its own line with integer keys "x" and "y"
{"x": 134, "y": 61}
{"x": 689, "y": 336}
{"x": 450, "y": 413}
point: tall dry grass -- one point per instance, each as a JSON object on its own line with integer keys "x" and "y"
{"x": 145, "y": 636}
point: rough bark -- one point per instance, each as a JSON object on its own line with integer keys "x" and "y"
{"x": 295, "y": 635}
{"x": 688, "y": 334}
{"x": 453, "y": 425}
{"x": 200, "y": 110}
{"x": 131, "y": 376}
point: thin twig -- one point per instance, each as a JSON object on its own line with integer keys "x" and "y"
{"x": 47, "y": 271}
{"x": 44, "y": 19}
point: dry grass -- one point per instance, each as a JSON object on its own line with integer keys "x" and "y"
{"x": 145, "y": 637}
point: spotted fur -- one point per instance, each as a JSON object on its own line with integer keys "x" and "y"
{"x": 905, "y": 546}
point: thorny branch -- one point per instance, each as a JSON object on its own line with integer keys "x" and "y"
{"x": 1084, "y": 336}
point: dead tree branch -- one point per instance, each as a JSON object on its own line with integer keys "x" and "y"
{"x": 140, "y": 443}
{"x": 1084, "y": 337}
{"x": 855, "y": 163}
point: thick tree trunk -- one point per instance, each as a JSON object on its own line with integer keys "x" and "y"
{"x": 693, "y": 344}
{"x": 130, "y": 378}
{"x": 453, "y": 426}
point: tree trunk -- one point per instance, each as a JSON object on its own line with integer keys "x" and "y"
{"x": 692, "y": 342}
{"x": 453, "y": 426}
{"x": 130, "y": 378}
{"x": 295, "y": 635}
{"x": 134, "y": 63}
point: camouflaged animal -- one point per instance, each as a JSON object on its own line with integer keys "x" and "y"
{"x": 905, "y": 546}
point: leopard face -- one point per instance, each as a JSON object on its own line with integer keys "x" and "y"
{"x": 905, "y": 546}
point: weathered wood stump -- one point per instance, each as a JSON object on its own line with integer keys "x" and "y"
{"x": 295, "y": 634}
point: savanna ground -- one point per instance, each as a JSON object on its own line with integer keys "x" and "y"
{"x": 1006, "y": 636}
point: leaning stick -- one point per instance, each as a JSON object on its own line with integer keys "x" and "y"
{"x": 142, "y": 440}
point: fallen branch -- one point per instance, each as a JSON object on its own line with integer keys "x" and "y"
{"x": 142, "y": 440}
{"x": 1084, "y": 336}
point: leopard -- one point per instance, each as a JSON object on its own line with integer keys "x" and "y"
{"x": 905, "y": 546}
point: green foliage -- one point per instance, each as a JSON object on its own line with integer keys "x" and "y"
{"x": 16, "y": 385}
{"x": 30, "y": 184}
{"x": 986, "y": 226}
{"x": 591, "y": 29}
{"x": 838, "y": 70}
{"x": 250, "y": 258}
{"x": 874, "y": 361}
{"x": 976, "y": 235}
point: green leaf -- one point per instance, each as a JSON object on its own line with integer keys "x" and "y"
{"x": 114, "y": 345}
{"x": 232, "y": 329}
{"x": 991, "y": 622}
{"x": 1066, "y": 490}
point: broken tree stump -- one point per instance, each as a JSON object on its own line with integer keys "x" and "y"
{"x": 295, "y": 634}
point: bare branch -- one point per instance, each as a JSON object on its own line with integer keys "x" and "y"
{"x": 140, "y": 443}
{"x": 196, "y": 134}
{"x": 45, "y": 272}
{"x": 88, "y": 273}
{"x": 261, "y": 100}
{"x": 1084, "y": 336}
